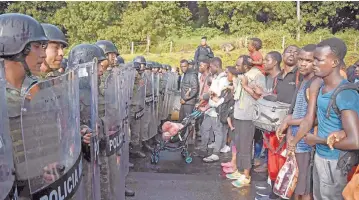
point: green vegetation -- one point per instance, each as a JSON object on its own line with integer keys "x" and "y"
{"x": 183, "y": 24}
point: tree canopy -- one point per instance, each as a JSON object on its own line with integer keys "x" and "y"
{"x": 123, "y": 22}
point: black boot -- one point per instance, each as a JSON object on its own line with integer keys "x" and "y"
{"x": 130, "y": 165}
{"x": 147, "y": 147}
{"x": 135, "y": 152}
{"x": 129, "y": 193}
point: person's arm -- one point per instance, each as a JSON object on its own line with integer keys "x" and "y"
{"x": 347, "y": 101}
{"x": 194, "y": 88}
{"x": 229, "y": 120}
{"x": 210, "y": 52}
{"x": 196, "y": 56}
{"x": 307, "y": 122}
{"x": 248, "y": 89}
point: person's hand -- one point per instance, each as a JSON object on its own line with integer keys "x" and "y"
{"x": 310, "y": 139}
{"x": 52, "y": 172}
{"x": 232, "y": 128}
{"x": 291, "y": 145}
{"x": 257, "y": 89}
{"x": 335, "y": 137}
{"x": 182, "y": 101}
{"x": 196, "y": 106}
{"x": 281, "y": 129}
{"x": 86, "y": 135}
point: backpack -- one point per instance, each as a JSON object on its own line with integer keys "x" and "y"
{"x": 347, "y": 159}
{"x": 224, "y": 109}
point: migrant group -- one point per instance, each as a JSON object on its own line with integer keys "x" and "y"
{"x": 292, "y": 114}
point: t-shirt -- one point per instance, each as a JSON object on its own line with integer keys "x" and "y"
{"x": 345, "y": 100}
{"x": 245, "y": 112}
{"x": 286, "y": 86}
{"x": 256, "y": 56}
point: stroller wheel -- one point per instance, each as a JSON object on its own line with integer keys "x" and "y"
{"x": 188, "y": 159}
{"x": 184, "y": 153}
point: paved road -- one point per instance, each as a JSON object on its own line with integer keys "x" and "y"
{"x": 173, "y": 179}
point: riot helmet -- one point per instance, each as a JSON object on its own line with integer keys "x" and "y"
{"x": 110, "y": 51}
{"x": 54, "y": 34}
{"x": 139, "y": 63}
{"x": 107, "y": 47}
{"x": 120, "y": 60}
{"x": 18, "y": 31}
{"x": 149, "y": 65}
{"x": 84, "y": 53}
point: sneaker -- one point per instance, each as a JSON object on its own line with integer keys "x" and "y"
{"x": 228, "y": 170}
{"x": 225, "y": 149}
{"x": 235, "y": 175}
{"x": 263, "y": 193}
{"x": 211, "y": 146}
{"x": 242, "y": 182}
{"x": 262, "y": 185}
{"x": 211, "y": 158}
{"x": 227, "y": 164}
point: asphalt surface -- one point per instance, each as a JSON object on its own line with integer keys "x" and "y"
{"x": 173, "y": 179}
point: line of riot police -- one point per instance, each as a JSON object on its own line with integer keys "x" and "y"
{"x": 67, "y": 134}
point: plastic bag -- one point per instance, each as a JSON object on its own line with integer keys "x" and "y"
{"x": 287, "y": 178}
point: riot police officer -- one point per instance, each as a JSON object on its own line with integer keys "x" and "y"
{"x": 54, "y": 52}
{"x": 110, "y": 50}
{"x": 82, "y": 56}
{"x": 147, "y": 130}
{"x": 137, "y": 107}
{"x": 23, "y": 54}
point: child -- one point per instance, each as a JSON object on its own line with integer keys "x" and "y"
{"x": 232, "y": 75}
{"x": 255, "y": 44}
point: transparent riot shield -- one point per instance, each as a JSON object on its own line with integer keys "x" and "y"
{"x": 7, "y": 178}
{"x": 164, "y": 96}
{"x": 154, "y": 118}
{"x": 171, "y": 90}
{"x": 88, "y": 85}
{"x": 50, "y": 124}
{"x": 128, "y": 77}
{"x": 157, "y": 97}
{"x": 146, "y": 133}
{"x": 112, "y": 140}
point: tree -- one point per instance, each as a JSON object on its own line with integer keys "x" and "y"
{"x": 43, "y": 11}
{"x": 85, "y": 20}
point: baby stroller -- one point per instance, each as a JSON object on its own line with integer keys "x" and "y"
{"x": 177, "y": 142}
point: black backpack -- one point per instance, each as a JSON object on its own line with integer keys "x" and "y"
{"x": 225, "y": 108}
{"x": 347, "y": 159}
